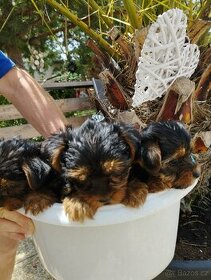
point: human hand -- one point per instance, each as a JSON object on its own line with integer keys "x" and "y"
{"x": 14, "y": 225}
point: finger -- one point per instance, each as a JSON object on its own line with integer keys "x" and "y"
{"x": 16, "y": 236}
{"x": 23, "y": 221}
{"x": 13, "y": 235}
{"x": 9, "y": 226}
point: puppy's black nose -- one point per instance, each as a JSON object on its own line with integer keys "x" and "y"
{"x": 104, "y": 200}
{"x": 196, "y": 173}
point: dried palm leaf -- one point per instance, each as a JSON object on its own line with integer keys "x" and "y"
{"x": 203, "y": 89}
{"x": 102, "y": 56}
{"x": 114, "y": 91}
{"x": 198, "y": 28}
{"x": 124, "y": 46}
{"x": 201, "y": 142}
{"x": 130, "y": 117}
{"x": 177, "y": 103}
{"x": 139, "y": 38}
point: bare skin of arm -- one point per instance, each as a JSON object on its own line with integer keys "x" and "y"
{"x": 32, "y": 101}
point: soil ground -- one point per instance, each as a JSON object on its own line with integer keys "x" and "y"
{"x": 187, "y": 251}
{"x": 194, "y": 235}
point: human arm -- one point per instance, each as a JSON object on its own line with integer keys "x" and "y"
{"x": 13, "y": 227}
{"x": 32, "y": 101}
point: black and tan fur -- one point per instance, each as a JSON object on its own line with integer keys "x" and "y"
{"x": 96, "y": 160}
{"x": 26, "y": 178}
{"x": 167, "y": 160}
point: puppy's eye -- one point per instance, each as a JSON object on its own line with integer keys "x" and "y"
{"x": 78, "y": 185}
{"x": 118, "y": 180}
{"x": 193, "y": 159}
{"x": 174, "y": 162}
{"x": 115, "y": 180}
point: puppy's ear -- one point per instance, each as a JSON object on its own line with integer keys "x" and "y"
{"x": 132, "y": 137}
{"x": 54, "y": 146}
{"x": 150, "y": 157}
{"x": 56, "y": 157}
{"x": 36, "y": 172}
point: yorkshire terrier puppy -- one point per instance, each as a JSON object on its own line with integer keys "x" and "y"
{"x": 96, "y": 159}
{"x": 166, "y": 157}
{"x": 26, "y": 179}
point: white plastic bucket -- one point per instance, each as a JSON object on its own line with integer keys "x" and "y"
{"x": 120, "y": 243}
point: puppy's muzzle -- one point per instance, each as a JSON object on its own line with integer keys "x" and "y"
{"x": 196, "y": 173}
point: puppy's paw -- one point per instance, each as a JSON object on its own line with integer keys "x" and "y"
{"x": 78, "y": 210}
{"x": 37, "y": 202}
{"x": 136, "y": 194}
{"x": 158, "y": 184}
